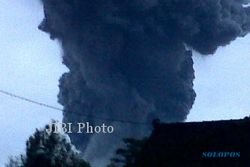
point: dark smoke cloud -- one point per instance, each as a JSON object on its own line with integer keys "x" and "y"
{"x": 127, "y": 59}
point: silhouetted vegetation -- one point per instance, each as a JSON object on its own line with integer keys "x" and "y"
{"x": 126, "y": 156}
{"x": 45, "y": 149}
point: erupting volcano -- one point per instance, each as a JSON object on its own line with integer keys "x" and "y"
{"x": 129, "y": 60}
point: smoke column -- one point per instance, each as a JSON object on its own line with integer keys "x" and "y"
{"x": 128, "y": 60}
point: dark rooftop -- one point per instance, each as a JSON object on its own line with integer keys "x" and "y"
{"x": 193, "y": 144}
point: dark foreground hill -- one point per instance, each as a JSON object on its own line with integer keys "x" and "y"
{"x": 198, "y": 144}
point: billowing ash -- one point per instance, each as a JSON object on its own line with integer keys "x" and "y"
{"x": 128, "y": 60}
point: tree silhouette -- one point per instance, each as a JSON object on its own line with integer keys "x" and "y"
{"x": 126, "y": 156}
{"x": 44, "y": 149}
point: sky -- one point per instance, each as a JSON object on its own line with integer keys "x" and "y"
{"x": 30, "y": 66}
{"x": 222, "y": 83}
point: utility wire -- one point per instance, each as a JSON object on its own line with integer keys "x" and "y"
{"x": 59, "y": 109}
{"x": 29, "y": 100}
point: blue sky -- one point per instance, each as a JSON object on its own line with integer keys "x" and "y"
{"x": 31, "y": 66}
{"x": 222, "y": 83}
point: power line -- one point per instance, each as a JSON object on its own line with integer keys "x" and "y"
{"x": 29, "y": 100}
{"x": 59, "y": 109}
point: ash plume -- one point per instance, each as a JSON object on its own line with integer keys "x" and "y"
{"x": 127, "y": 59}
